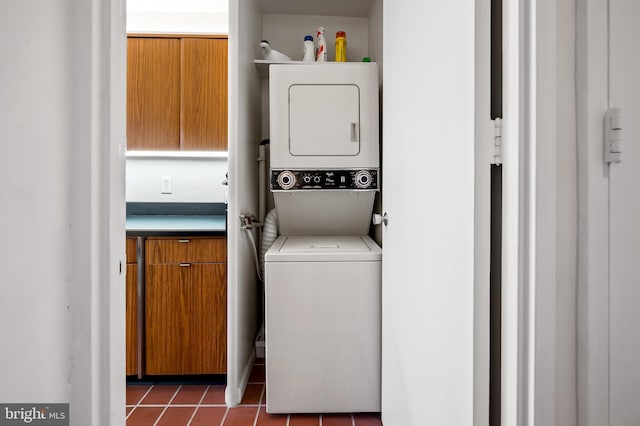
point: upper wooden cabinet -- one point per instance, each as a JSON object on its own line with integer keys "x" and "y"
{"x": 177, "y": 93}
{"x": 204, "y": 94}
{"x": 153, "y": 94}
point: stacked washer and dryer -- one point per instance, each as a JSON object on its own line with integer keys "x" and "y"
{"x": 323, "y": 273}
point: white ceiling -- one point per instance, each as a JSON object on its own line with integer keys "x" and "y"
{"x": 353, "y": 8}
{"x": 179, "y": 6}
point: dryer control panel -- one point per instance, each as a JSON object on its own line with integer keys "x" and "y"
{"x": 289, "y": 180}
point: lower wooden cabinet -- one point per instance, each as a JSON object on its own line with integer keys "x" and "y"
{"x": 131, "y": 366}
{"x": 185, "y": 306}
{"x": 209, "y": 320}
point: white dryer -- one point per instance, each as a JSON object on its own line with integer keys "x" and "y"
{"x": 325, "y": 147}
{"x": 323, "y": 324}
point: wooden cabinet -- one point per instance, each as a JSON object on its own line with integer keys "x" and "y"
{"x": 131, "y": 309}
{"x": 185, "y": 306}
{"x": 204, "y": 94}
{"x": 177, "y": 93}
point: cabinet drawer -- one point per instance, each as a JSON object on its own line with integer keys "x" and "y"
{"x": 131, "y": 250}
{"x": 186, "y": 250}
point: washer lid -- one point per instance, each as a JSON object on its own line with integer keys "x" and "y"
{"x": 339, "y": 248}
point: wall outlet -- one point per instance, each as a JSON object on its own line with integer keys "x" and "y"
{"x": 166, "y": 186}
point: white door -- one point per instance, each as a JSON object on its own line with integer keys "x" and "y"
{"x": 624, "y": 92}
{"x": 428, "y": 195}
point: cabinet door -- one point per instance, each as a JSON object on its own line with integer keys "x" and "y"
{"x": 209, "y": 319}
{"x": 153, "y": 94}
{"x": 204, "y": 94}
{"x": 132, "y": 319}
{"x": 186, "y": 250}
{"x": 131, "y": 315}
{"x": 168, "y": 303}
{"x": 131, "y": 250}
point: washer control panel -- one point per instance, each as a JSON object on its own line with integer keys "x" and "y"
{"x": 287, "y": 180}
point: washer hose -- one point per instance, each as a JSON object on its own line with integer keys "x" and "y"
{"x": 269, "y": 235}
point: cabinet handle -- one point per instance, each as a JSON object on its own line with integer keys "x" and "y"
{"x": 183, "y": 241}
{"x": 184, "y": 265}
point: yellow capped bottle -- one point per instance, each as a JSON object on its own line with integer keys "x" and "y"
{"x": 341, "y": 46}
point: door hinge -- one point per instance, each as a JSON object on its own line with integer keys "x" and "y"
{"x": 496, "y": 158}
{"x": 613, "y": 135}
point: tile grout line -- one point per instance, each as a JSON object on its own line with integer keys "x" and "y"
{"x": 262, "y": 395}
{"x": 167, "y": 405}
{"x": 255, "y": 421}
{"x": 224, "y": 418}
{"x": 137, "y": 404}
{"x": 198, "y": 405}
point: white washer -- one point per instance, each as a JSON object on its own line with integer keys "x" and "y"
{"x": 323, "y": 324}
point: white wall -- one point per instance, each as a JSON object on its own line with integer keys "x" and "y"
{"x": 608, "y": 292}
{"x": 374, "y": 36}
{"x": 182, "y": 17}
{"x": 35, "y": 249}
{"x": 62, "y": 114}
{"x": 297, "y": 26}
{"x": 195, "y": 180}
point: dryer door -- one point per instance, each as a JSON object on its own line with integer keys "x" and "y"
{"x": 324, "y": 120}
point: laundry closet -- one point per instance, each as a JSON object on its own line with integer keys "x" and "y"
{"x": 423, "y": 189}
{"x": 284, "y": 25}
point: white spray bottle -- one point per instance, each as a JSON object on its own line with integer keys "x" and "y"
{"x": 321, "y": 49}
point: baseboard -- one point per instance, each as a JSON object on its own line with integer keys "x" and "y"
{"x": 234, "y": 399}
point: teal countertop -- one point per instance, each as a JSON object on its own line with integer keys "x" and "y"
{"x": 146, "y": 225}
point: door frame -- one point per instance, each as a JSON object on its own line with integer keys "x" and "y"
{"x": 519, "y": 212}
{"x": 515, "y": 204}
{"x": 593, "y": 193}
{"x": 97, "y": 225}
{"x": 532, "y": 221}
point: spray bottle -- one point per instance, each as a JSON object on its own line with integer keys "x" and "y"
{"x": 321, "y": 49}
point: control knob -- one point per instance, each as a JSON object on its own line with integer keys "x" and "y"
{"x": 286, "y": 179}
{"x": 363, "y": 179}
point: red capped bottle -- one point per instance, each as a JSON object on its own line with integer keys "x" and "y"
{"x": 341, "y": 46}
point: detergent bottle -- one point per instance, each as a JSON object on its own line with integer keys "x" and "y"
{"x": 308, "y": 49}
{"x": 341, "y": 46}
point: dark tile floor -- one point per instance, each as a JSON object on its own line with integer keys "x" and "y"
{"x": 200, "y": 405}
